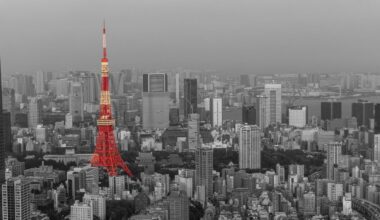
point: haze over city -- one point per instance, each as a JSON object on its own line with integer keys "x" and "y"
{"x": 246, "y": 36}
{"x": 189, "y": 110}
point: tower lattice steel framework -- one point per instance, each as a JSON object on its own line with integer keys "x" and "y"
{"x": 106, "y": 154}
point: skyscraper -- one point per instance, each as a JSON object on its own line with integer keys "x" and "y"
{"x": 178, "y": 205}
{"x": 35, "y": 112}
{"x": 334, "y": 152}
{"x": 177, "y": 95}
{"x": 40, "y": 82}
{"x": 216, "y": 112}
{"x": 261, "y": 110}
{"x": 90, "y": 88}
{"x": 155, "y": 112}
{"x": 376, "y": 148}
{"x": 193, "y": 131}
{"x": 331, "y": 110}
{"x": 190, "y": 97}
{"x": 362, "y": 111}
{"x": 2, "y": 139}
{"x": 7, "y": 132}
{"x": 249, "y": 147}
{"x": 203, "y": 169}
{"x": 16, "y": 199}
{"x": 273, "y": 111}
{"x": 249, "y": 115}
{"x": 76, "y": 101}
{"x": 377, "y": 118}
{"x": 298, "y": 116}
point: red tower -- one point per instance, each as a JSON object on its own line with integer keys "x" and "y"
{"x": 106, "y": 153}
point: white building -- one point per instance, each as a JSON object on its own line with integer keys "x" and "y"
{"x": 68, "y": 121}
{"x": 249, "y": 147}
{"x": 185, "y": 184}
{"x": 334, "y": 191}
{"x": 298, "y": 116}
{"x": 273, "y": 110}
{"x": 98, "y": 204}
{"x": 347, "y": 204}
{"x": 81, "y": 211}
{"x": 216, "y": 112}
{"x": 376, "y": 148}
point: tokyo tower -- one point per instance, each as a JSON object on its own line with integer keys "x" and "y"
{"x": 106, "y": 154}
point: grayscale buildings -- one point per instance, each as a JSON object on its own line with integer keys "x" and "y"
{"x": 190, "y": 97}
{"x": 155, "y": 98}
{"x": 249, "y": 147}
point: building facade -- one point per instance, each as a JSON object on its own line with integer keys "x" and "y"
{"x": 249, "y": 147}
{"x": 190, "y": 97}
{"x": 155, "y": 112}
{"x": 273, "y": 104}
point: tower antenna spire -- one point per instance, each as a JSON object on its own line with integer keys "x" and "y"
{"x": 104, "y": 40}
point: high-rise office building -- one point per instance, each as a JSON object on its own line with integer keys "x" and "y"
{"x": 249, "y": 115}
{"x": 98, "y": 204}
{"x": 377, "y": 118}
{"x": 35, "y": 112}
{"x": 216, "y": 112}
{"x": 81, "y": 211}
{"x": 193, "y": 131}
{"x": 155, "y": 112}
{"x": 331, "y": 110}
{"x": 249, "y": 147}
{"x": 261, "y": 116}
{"x": 76, "y": 102}
{"x": 7, "y": 132}
{"x": 40, "y": 82}
{"x": 16, "y": 199}
{"x": 363, "y": 111}
{"x": 298, "y": 116}
{"x": 2, "y": 139}
{"x": 334, "y": 153}
{"x": 274, "y": 110}
{"x": 9, "y": 102}
{"x": 178, "y": 205}
{"x": 203, "y": 169}
{"x": 90, "y": 88}
{"x": 190, "y": 97}
{"x": 244, "y": 80}
{"x": 376, "y": 148}
{"x": 177, "y": 95}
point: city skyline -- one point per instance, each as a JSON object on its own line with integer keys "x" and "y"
{"x": 229, "y": 37}
{"x": 101, "y": 144}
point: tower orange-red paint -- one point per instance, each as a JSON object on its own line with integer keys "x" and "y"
{"x": 106, "y": 154}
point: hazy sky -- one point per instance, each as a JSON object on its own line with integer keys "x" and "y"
{"x": 236, "y": 36}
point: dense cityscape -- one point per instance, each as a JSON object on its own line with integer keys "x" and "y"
{"x": 188, "y": 144}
